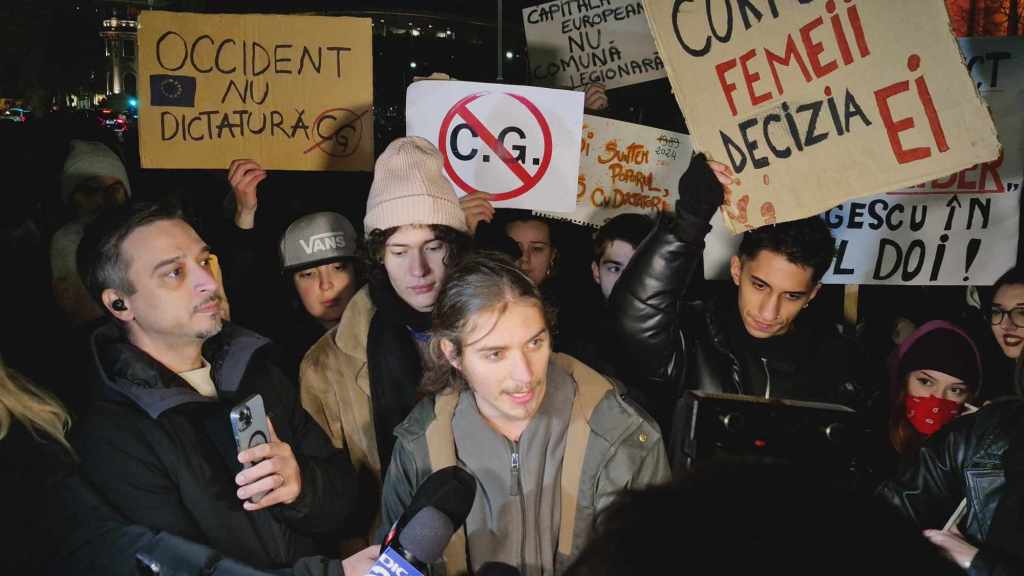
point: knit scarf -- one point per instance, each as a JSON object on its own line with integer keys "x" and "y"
{"x": 393, "y": 361}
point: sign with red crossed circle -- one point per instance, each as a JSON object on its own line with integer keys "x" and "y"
{"x": 518, "y": 143}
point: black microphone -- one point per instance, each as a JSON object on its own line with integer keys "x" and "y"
{"x": 170, "y": 555}
{"x": 419, "y": 543}
{"x": 497, "y": 569}
{"x": 450, "y": 490}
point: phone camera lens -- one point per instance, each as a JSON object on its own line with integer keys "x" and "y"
{"x": 244, "y": 418}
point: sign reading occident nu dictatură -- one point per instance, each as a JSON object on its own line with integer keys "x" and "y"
{"x": 816, "y": 102}
{"x": 291, "y": 92}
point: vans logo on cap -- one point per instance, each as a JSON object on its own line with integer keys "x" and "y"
{"x": 323, "y": 242}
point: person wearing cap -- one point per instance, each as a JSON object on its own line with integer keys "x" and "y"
{"x": 361, "y": 379}
{"x": 318, "y": 254}
{"x": 93, "y": 180}
{"x": 304, "y": 292}
{"x": 934, "y": 374}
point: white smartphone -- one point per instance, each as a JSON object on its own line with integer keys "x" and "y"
{"x": 249, "y": 422}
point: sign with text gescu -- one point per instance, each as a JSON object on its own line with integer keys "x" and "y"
{"x": 816, "y": 102}
{"x": 291, "y": 92}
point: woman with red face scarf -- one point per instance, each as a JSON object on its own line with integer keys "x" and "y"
{"x": 934, "y": 374}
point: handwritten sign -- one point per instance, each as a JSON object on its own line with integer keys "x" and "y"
{"x": 814, "y": 103}
{"x": 626, "y": 168}
{"x": 519, "y": 143}
{"x": 573, "y": 44}
{"x": 291, "y": 92}
{"x": 957, "y": 229}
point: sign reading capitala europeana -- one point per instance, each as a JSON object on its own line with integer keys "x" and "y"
{"x": 291, "y": 92}
{"x": 815, "y": 102}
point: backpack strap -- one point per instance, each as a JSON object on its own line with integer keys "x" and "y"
{"x": 591, "y": 387}
{"x": 441, "y": 449}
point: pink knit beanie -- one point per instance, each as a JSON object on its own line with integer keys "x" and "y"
{"x": 409, "y": 188}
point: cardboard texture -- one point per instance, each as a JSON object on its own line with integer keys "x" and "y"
{"x": 956, "y": 229}
{"x": 813, "y": 104}
{"x": 573, "y": 44}
{"x": 291, "y": 92}
{"x": 520, "y": 143}
{"x": 626, "y": 169}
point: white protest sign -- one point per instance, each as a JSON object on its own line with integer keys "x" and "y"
{"x": 626, "y": 168}
{"x": 519, "y": 143}
{"x": 959, "y": 229}
{"x": 816, "y": 103}
{"x": 572, "y": 44}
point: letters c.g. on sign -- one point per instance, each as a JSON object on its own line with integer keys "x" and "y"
{"x": 528, "y": 181}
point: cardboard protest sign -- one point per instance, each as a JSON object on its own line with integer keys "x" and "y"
{"x": 814, "y": 103}
{"x": 291, "y": 92}
{"x": 626, "y": 168}
{"x": 572, "y": 44}
{"x": 957, "y": 229}
{"x": 520, "y": 143}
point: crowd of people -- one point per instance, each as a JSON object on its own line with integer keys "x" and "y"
{"x": 546, "y": 360}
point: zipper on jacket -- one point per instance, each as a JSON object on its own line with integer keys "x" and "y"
{"x": 515, "y": 469}
{"x": 518, "y": 492}
{"x": 768, "y": 379}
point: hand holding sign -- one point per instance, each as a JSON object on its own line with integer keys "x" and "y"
{"x": 245, "y": 175}
{"x": 478, "y": 208}
{"x": 702, "y": 188}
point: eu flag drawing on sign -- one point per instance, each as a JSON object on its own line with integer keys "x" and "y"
{"x": 172, "y": 90}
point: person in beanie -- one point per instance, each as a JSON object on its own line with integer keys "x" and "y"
{"x": 934, "y": 373}
{"x": 93, "y": 180}
{"x": 360, "y": 380}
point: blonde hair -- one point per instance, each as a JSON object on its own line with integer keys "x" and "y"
{"x": 36, "y": 409}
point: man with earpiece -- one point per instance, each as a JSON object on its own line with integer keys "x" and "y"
{"x": 157, "y": 442}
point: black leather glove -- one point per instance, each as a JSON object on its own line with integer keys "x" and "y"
{"x": 700, "y": 192}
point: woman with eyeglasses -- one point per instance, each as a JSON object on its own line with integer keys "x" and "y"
{"x": 1006, "y": 314}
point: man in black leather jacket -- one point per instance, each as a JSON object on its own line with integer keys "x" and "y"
{"x": 978, "y": 458}
{"x": 751, "y": 341}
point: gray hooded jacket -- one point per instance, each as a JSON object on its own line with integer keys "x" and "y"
{"x": 536, "y": 499}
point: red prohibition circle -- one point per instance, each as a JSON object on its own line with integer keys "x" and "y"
{"x": 528, "y": 182}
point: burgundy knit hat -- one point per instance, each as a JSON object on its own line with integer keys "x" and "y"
{"x": 941, "y": 346}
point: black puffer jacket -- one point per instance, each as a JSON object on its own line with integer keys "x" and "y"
{"x": 979, "y": 457}
{"x": 668, "y": 345}
{"x": 164, "y": 456}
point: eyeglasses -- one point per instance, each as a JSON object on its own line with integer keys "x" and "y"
{"x": 1016, "y": 315}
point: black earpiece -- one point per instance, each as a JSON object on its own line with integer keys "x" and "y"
{"x": 118, "y": 305}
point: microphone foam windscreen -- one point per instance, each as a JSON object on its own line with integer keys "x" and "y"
{"x": 451, "y": 490}
{"x": 426, "y": 534}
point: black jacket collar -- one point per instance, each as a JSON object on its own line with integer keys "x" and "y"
{"x": 126, "y": 373}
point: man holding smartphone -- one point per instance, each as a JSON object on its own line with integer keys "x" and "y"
{"x": 158, "y": 441}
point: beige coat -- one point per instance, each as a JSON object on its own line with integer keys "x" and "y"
{"x": 335, "y": 386}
